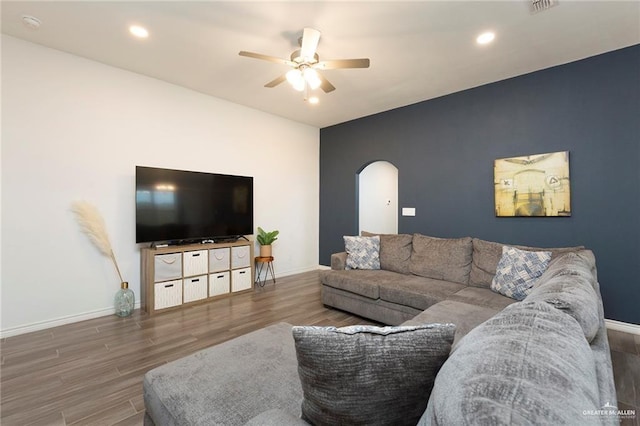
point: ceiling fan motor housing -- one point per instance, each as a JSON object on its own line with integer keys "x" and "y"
{"x": 298, "y": 59}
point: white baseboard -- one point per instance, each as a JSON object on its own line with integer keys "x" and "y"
{"x": 14, "y": 331}
{"x": 622, "y": 326}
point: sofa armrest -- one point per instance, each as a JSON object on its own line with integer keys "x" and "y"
{"x": 339, "y": 261}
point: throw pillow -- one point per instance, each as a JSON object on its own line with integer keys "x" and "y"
{"x": 362, "y": 252}
{"x": 518, "y": 270}
{"x": 369, "y": 375}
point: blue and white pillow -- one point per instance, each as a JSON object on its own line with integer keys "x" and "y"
{"x": 362, "y": 252}
{"x": 518, "y": 270}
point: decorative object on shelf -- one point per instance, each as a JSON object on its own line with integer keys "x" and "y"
{"x": 533, "y": 185}
{"x": 265, "y": 239}
{"x": 124, "y": 300}
{"x": 92, "y": 224}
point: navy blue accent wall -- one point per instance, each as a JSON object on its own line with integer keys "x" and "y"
{"x": 445, "y": 148}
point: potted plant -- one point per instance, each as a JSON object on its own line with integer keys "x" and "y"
{"x": 265, "y": 239}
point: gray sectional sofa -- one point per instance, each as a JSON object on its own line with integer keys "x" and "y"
{"x": 544, "y": 360}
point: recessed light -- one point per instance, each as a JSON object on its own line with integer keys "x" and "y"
{"x": 31, "y": 22}
{"x": 486, "y": 38}
{"x": 138, "y": 31}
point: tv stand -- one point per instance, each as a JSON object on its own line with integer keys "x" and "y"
{"x": 174, "y": 277}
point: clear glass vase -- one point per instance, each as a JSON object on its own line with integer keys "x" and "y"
{"x": 124, "y": 300}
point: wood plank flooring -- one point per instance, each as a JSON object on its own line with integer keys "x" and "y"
{"x": 90, "y": 372}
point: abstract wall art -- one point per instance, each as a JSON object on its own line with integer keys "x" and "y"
{"x": 533, "y": 185}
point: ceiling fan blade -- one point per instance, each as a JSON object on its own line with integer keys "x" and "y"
{"x": 310, "y": 39}
{"x": 333, "y": 64}
{"x": 266, "y": 58}
{"x": 325, "y": 85}
{"x": 276, "y": 81}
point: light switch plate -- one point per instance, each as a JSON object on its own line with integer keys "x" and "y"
{"x": 408, "y": 211}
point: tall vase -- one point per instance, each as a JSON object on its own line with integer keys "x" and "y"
{"x": 124, "y": 300}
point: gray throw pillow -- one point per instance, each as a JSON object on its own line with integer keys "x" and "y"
{"x": 518, "y": 270}
{"x": 369, "y": 375}
{"x": 362, "y": 252}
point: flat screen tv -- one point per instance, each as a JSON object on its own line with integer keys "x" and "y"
{"x": 179, "y": 206}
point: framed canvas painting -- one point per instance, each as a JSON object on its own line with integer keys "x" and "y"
{"x": 533, "y": 185}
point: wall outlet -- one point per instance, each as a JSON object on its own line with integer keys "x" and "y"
{"x": 408, "y": 211}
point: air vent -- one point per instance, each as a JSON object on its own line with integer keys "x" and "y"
{"x": 541, "y": 5}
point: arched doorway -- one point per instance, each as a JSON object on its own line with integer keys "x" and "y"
{"x": 378, "y": 198}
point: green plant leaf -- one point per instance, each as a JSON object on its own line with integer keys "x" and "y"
{"x": 266, "y": 238}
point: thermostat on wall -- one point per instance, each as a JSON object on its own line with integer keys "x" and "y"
{"x": 408, "y": 211}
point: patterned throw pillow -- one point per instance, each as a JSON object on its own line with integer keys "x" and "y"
{"x": 369, "y": 375}
{"x": 362, "y": 252}
{"x": 518, "y": 270}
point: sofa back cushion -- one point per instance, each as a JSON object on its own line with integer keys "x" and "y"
{"x": 447, "y": 259}
{"x": 569, "y": 286}
{"x": 369, "y": 375}
{"x": 395, "y": 251}
{"x": 530, "y": 364}
{"x": 487, "y": 254}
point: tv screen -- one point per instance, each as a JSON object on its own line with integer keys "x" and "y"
{"x": 177, "y": 205}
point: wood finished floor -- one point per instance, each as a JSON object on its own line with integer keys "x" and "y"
{"x": 90, "y": 372}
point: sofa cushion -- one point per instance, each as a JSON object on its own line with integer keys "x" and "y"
{"x": 482, "y": 297}
{"x": 518, "y": 270}
{"x": 447, "y": 259}
{"x": 581, "y": 262}
{"x": 417, "y": 292}
{"x": 570, "y": 289}
{"x": 369, "y": 375}
{"x": 395, "y": 251}
{"x": 363, "y": 282}
{"x": 529, "y": 364}
{"x": 362, "y": 252}
{"x": 465, "y": 316}
{"x": 229, "y": 383}
{"x": 487, "y": 254}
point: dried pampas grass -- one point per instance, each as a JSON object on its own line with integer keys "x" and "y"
{"x": 92, "y": 224}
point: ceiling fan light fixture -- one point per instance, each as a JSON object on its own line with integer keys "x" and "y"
{"x": 312, "y": 78}
{"x": 295, "y": 78}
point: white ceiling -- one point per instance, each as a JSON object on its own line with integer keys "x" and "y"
{"x": 418, "y": 50}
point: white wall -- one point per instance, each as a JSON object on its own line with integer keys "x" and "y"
{"x": 75, "y": 129}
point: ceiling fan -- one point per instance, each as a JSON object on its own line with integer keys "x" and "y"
{"x": 305, "y": 64}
